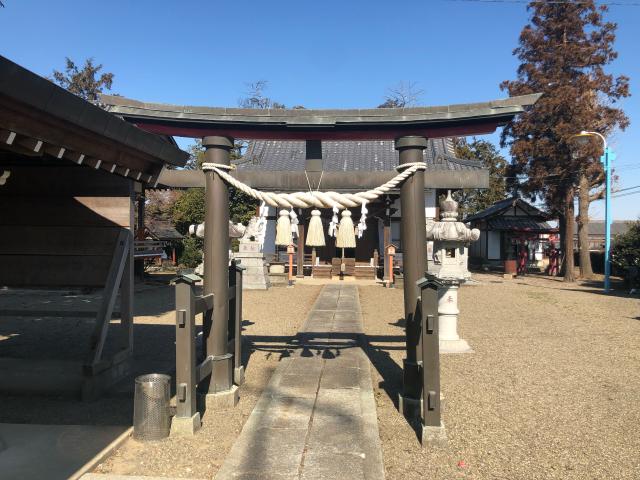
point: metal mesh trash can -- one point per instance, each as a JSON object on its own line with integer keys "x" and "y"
{"x": 151, "y": 420}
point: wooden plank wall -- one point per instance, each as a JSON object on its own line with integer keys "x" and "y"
{"x": 59, "y": 223}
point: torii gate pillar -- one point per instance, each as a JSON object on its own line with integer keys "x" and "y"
{"x": 414, "y": 261}
{"x": 216, "y": 274}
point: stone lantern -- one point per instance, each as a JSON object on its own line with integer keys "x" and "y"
{"x": 451, "y": 239}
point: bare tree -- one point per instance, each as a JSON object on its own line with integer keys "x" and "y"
{"x": 256, "y": 98}
{"x": 403, "y": 94}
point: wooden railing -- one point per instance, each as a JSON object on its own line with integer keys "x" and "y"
{"x": 190, "y": 372}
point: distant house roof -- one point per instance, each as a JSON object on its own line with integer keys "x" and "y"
{"x": 503, "y": 205}
{"x": 163, "y": 230}
{"x": 596, "y": 227}
{"x": 349, "y": 156}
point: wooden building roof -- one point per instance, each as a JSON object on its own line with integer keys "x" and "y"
{"x": 39, "y": 118}
{"x": 513, "y": 215}
{"x": 502, "y": 206}
{"x": 163, "y": 230}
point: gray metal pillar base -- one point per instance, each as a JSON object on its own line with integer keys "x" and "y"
{"x": 222, "y": 400}
{"x": 238, "y": 375}
{"x": 411, "y": 408}
{"x": 183, "y": 426}
{"x": 455, "y": 346}
{"x": 436, "y": 436}
{"x": 222, "y": 374}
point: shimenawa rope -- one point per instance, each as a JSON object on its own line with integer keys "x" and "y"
{"x": 316, "y": 199}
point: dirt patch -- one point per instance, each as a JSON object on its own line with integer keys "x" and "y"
{"x": 551, "y": 392}
{"x": 271, "y": 318}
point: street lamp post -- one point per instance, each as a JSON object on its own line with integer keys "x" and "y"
{"x": 606, "y": 159}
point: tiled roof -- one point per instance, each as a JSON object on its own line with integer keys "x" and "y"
{"x": 348, "y": 156}
{"x": 500, "y": 206}
{"x": 163, "y": 230}
{"x": 519, "y": 224}
{"x": 596, "y": 227}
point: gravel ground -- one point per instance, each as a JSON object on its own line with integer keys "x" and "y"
{"x": 551, "y": 391}
{"x": 271, "y": 318}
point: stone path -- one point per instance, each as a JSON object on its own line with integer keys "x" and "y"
{"x": 317, "y": 417}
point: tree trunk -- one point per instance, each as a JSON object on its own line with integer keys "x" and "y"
{"x": 567, "y": 241}
{"x": 586, "y": 271}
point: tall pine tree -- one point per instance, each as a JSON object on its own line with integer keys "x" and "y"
{"x": 563, "y": 51}
{"x": 86, "y": 82}
{"x": 474, "y": 200}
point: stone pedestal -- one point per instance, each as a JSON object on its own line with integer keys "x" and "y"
{"x": 433, "y": 436}
{"x": 185, "y": 426}
{"x": 222, "y": 400}
{"x": 255, "y": 277}
{"x": 450, "y": 341}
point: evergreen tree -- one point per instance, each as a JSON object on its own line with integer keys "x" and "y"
{"x": 625, "y": 252}
{"x": 86, "y": 82}
{"x": 474, "y": 200}
{"x": 563, "y": 51}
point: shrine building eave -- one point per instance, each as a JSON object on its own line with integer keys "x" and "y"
{"x": 296, "y": 124}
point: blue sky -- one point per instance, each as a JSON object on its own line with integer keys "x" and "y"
{"x": 338, "y": 54}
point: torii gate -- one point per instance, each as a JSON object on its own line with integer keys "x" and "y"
{"x": 408, "y": 127}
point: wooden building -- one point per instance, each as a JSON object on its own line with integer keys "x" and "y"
{"x": 70, "y": 171}
{"x": 444, "y": 171}
{"x": 509, "y": 229}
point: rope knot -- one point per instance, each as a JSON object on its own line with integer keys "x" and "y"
{"x": 220, "y": 166}
{"x": 411, "y": 165}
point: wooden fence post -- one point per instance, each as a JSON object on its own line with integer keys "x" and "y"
{"x": 432, "y": 428}
{"x": 187, "y": 419}
{"x": 238, "y": 370}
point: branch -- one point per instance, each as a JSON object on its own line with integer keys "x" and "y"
{"x": 599, "y": 195}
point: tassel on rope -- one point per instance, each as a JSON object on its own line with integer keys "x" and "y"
{"x": 346, "y": 237}
{"x": 362, "y": 224}
{"x": 294, "y": 222}
{"x": 283, "y": 229}
{"x": 262, "y": 222}
{"x": 333, "y": 226}
{"x": 315, "y": 235}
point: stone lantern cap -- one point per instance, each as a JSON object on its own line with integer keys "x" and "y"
{"x": 448, "y": 229}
